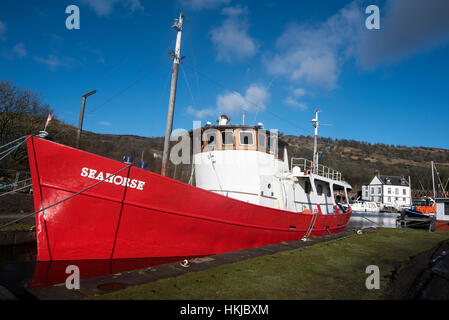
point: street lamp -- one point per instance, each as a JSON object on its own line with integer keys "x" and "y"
{"x": 80, "y": 122}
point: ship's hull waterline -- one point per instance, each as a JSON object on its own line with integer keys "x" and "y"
{"x": 140, "y": 214}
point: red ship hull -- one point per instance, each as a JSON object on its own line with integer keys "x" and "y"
{"x": 140, "y": 214}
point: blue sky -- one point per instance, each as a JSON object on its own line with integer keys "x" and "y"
{"x": 277, "y": 60}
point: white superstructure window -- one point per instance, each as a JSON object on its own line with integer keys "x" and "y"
{"x": 262, "y": 140}
{"x": 246, "y": 138}
{"x": 227, "y": 138}
{"x": 211, "y": 138}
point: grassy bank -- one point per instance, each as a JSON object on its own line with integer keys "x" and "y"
{"x": 328, "y": 270}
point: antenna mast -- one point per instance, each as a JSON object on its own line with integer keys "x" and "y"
{"x": 315, "y": 124}
{"x": 171, "y": 105}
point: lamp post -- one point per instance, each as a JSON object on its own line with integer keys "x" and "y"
{"x": 80, "y": 122}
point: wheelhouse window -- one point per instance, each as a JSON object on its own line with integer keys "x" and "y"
{"x": 227, "y": 138}
{"x": 211, "y": 138}
{"x": 272, "y": 144}
{"x": 319, "y": 189}
{"x": 246, "y": 138}
{"x": 262, "y": 140}
{"x": 307, "y": 187}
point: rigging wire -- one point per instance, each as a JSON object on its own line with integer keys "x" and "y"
{"x": 188, "y": 86}
{"x": 189, "y": 35}
{"x": 126, "y": 88}
{"x": 65, "y": 199}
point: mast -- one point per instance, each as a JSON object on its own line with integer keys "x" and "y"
{"x": 171, "y": 105}
{"x": 433, "y": 181}
{"x": 315, "y": 151}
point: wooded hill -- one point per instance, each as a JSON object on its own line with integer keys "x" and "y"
{"x": 358, "y": 161}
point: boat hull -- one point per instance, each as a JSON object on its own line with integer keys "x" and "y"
{"x": 140, "y": 214}
{"x": 441, "y": 225}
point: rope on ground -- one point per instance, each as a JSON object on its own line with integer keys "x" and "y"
{"x": 60, "y": 201}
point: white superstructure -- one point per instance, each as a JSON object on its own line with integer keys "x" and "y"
{"x": 251, "y": 164}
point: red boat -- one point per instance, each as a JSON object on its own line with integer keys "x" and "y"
{"x": 139, "y": 214}
{"x": 246, "y": 195}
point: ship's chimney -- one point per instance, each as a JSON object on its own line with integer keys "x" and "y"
{"x": 223, "y": 120}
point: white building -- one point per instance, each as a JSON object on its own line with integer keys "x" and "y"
{"x": 388, "y": 191}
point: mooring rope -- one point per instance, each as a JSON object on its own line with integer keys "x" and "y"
{"x": 13, "y": 148}
{"x": 12, "y": 184}
{"x": 24, "y": 187}
{"x": 18, "y": 139}
{"x": 60, "y": 201}
{"x": 311, "y": 226}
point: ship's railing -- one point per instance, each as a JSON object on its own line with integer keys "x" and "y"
{"x": 306, "y": 165}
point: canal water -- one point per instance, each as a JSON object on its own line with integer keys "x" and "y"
{"x": 18, "y": 267}
{"x": 363, "y": 220}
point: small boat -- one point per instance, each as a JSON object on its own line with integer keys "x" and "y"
{"x": 425, "y": 205}
{"x": 364, "y": 206}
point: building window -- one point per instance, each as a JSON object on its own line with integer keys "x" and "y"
{"x": 446, "y": 208}
{"x": 227, "y": 138}
{"x": 397, "y": 190}
{"x": 246, "y": 138}
{"x": 397, "y": 198}
{"x": 389, "y": 190}
{"x": 379, "y": 190}
{"x": 403, "y": 199}
{"x": 389, "y": 199}
{"x": 372, "y": 190}
{"x": 372, "y": 198}
{"x": 319, "y": 189}
{"x": 366, "y": 194}
{"x": 404, "y": 192}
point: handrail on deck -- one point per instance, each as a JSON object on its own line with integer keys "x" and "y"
{"x": 306, "y": 165}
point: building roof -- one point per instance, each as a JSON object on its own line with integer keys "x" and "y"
{"x": 393, "y": 180}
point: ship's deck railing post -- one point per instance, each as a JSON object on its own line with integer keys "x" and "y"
{"x": 323, "y": 171}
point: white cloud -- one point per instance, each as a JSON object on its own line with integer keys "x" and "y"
{"x": 105, "y": 123}
{"x": 313, "y": 54}
{"x": 293, "y": 99}
{"x": 203, "y": 4}
{"x": 3, "y": 28}
{"x": 19, "y": 50}
{"x": 105, "y": 7}
{"x": 53, "y": 62}
{"x": 231, "y": 38}
{"x": 407, "y": 28}
{"x": 201, "y": 114}
{"x": 254, "y": 100}
{"x": 293, "y": 102}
